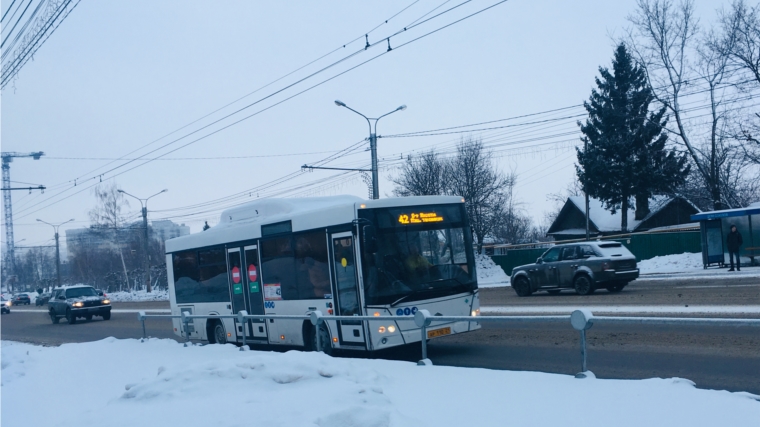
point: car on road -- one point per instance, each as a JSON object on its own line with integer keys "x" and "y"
{"x": 73, "y": 302}
{"x": 5, "y": 305}
{"x": 43, "y": 298}
{"x": 21, "y": 299}
{"x": 585, "y": 267}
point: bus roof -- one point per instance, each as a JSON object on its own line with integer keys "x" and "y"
{"x": 244, "y": 222}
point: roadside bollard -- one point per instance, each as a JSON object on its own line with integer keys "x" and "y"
{"x": 316, "y": 320}
{"x": 186, "y": 322}
{"x": 141, "y": 318}
{"x": 241, "y": 319}
{"x": 581, "y": 320}
{"x": 422, "y": 319}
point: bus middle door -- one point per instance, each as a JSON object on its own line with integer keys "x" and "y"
{"x": 347, "y": 302}
{"x": 234, "y": 267}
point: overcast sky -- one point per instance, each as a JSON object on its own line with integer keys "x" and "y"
{"x": 118, "y": 75}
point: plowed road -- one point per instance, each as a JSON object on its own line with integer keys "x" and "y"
{"x": 713, "y": 357}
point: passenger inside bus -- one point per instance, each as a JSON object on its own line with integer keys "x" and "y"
{"x": 313, "y": 270}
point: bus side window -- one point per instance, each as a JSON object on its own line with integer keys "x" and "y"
{"x": 312, "y": 267}
{"x": 186, "y": 286}
{"x": 277, "y": 266}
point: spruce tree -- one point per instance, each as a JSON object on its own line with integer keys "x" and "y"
{"x": 624, "y": 154}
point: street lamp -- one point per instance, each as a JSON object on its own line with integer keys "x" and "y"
{"x": 57, "y": 248}
{"x": 146, "y": 262}
{"x": 372, "y": 143}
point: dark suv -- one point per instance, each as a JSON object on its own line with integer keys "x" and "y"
{"x": 584, "y": 267}
{"x": 74, "y": 302}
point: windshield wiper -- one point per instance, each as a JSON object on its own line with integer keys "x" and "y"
{"x": 414, "y": 292}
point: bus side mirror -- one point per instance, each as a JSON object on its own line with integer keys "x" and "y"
{"x": 370, "y": 239}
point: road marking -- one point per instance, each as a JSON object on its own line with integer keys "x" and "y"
{"x": 716, "y": 286}
{"x": 692, "y": 276}
{"x": 113, "y": 310}
{"x": 675, "y": 309}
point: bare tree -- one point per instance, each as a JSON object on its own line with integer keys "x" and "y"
{"x": 486, "y": 191}
{"x": 469, "y": 174}
{"x": 108, "y": 217}
{"x": 669, "y": 45}
{"x": 738, "y": 39}
{"x": 420, "y": 176}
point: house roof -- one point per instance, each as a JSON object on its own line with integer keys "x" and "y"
{"x": 606, "y": 221}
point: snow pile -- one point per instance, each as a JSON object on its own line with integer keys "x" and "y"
{"x": 679, "y": 263}
{"x": 159, "y": 383}
{"x": 489, "y": 274}
{"x": 138, "y": 296}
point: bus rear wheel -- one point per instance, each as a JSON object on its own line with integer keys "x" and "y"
{"x": 216, "y": 333}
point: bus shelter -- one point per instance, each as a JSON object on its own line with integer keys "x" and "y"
{"x": 714, "y": 227}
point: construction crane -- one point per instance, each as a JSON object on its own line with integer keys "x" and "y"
{"x": 7, "y": 157}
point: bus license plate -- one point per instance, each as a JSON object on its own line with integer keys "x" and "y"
{"x": 439, "y": 332}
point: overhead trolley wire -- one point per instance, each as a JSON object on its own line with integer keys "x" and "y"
{"x": 286, "y": 99}
{"x": 254, "y": 91}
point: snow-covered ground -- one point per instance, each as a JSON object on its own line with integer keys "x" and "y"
{"x": 688, "y": 266}
{"x": 157, "y": 383}
{"x": 138, "y": 296}
{"x": 641, "y": 310}
{"x": 490, "y": 275}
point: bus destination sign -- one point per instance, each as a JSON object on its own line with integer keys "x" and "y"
{"x": 419, "y": 218}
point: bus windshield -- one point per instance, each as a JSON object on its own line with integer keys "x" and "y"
{"x": 422, "y": 252}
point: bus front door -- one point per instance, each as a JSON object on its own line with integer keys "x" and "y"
{"x": 347, "y": 287}
{"x": 253, "y": 292}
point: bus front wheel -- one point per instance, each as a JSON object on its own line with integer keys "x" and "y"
{"x": 324, "y": 340}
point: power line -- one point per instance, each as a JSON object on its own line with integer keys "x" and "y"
{"x": 9, "y": 9}
{"x": 35, "y": 42}
{"x": 343, "y": 46}
{"x": 17, "y": 21}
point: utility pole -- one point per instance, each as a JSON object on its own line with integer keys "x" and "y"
{"x": 146, "y": 242}
{"x": 57, "y": 248}
{"x": 7, "y": 158}
{"x": 372, "y": 143}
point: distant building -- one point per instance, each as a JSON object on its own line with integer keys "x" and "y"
{"x": 161, "y": 230}
{"x": 164, "y": 230}
{"x": 664, "y": 212}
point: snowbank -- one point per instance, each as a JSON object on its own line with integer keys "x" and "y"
{"x": 489, "y": 274}
{"x": 138, "y": 296}
{"x": 679, "y": 263}
{"x": 159, "y": 383}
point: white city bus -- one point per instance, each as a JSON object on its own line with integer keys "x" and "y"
{"x": 340, "y": 255}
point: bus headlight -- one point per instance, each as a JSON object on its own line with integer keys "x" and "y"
{"x": 391, "y": 329}
{"x": 381, "y": 329}
{"x": 476, "y": 312}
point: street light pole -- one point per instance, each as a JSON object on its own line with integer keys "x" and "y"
{"x": 146, "y": 256}
{"x": 57, "y": 248}
{"x": 372, "y": 143}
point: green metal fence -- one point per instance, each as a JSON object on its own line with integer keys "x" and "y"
{"x": 644, "y": 246}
